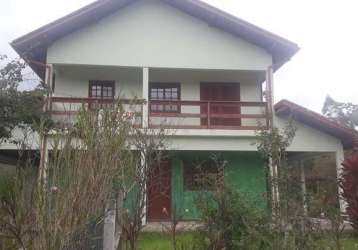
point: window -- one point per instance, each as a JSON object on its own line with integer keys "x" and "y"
{"x": 101, "y": 90}
{"x": 164, "y": 92}
{"x": 202, "y": 177}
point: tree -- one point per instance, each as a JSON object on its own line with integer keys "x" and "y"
{"x": 102, "y": 158}
{"x": 344, "y": 113}
{"x": 349, "y": 184}
{"x": 18, "y": 109}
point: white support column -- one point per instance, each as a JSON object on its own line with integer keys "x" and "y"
{"x": 145, "y": 114}
{"x": 49, "y": 84}
{"x": 339, "y": 168}
{"x": 270, "y": 94}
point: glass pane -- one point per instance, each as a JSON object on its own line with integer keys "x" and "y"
{"x": 160, "y": 94}
{"x": 154, "y": 93}
{"x": 174, "y": 95}
{"x": 168, "y": 94}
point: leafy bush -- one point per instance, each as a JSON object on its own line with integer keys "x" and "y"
{"x": 349, "y": 185}
{"x": 230, "y": 222}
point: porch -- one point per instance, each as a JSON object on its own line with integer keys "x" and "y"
{"x": 176, "y": 188}
{"x": 164, "y": 98}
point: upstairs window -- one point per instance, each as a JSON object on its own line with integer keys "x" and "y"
{"x": 101, "y": 90}
{"x": 164, "y": 92}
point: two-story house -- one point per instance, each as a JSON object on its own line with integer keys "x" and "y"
{"x": 203, "y": 73}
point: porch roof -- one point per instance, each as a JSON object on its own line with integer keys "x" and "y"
{"x": 33, "y": 46}
{"x": 317, "y": 121}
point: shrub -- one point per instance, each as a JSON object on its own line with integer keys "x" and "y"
{"x": 349, "y": 184}
{"x": 230, "y": 222}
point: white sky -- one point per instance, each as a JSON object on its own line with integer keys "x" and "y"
{"x": 326, "y": 31}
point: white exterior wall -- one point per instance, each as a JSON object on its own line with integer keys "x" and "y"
{"x": 150, "y": 33}
{"x": 31, "y": 140}
{"x": 72, "y": 81}
{"x": 307, "y": 139}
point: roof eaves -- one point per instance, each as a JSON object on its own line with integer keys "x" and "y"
{"x": 347, "y": 135}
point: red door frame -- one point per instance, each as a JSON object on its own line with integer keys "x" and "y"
{"x": 159, "y": 193}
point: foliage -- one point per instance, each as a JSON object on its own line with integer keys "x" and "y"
{"x": 272, "y": 145}
{"x": 89, "y": 165}
{"x": 16, "y": 206}
{"x": 231, "y": 222}
{"x": 349, "y": 183}
{"x": 149, "y": 145}
{"x": 291, "y": 227}
{"x": 344, "y": 113}
{"x": 17, "y": 108}
{"x": 79, "y": 177}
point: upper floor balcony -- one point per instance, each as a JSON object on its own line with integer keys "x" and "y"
{"x": 164, "y": 98}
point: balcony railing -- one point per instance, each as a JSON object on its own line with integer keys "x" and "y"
{"x": 232, "y": 115}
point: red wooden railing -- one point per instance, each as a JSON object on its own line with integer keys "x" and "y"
{"x": 213, "y": 114}
{"x": 71, "y": 105}
{"x": 203, "y": 114}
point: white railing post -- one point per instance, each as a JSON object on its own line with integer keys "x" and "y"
{"x": 145, "y": 112}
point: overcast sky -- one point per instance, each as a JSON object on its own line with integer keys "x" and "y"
{"x": 326, "y": 31}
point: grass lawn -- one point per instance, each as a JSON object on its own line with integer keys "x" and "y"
{"x": 350, "y": 243}
{"x": 160, "y": 241}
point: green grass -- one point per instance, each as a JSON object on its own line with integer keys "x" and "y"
{"x": 350, "y": 243}
{"x": 161, "y": 241}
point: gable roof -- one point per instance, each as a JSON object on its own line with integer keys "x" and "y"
{"x": 317, "y": 121}
{"x": 33, "y": 46}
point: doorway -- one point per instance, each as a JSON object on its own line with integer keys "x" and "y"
{"x": 221, "y": 112}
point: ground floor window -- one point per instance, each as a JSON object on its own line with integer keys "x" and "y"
{"x": 200, "y": 177}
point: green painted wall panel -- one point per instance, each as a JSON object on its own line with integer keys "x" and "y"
{"x": 244, "y": 172}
